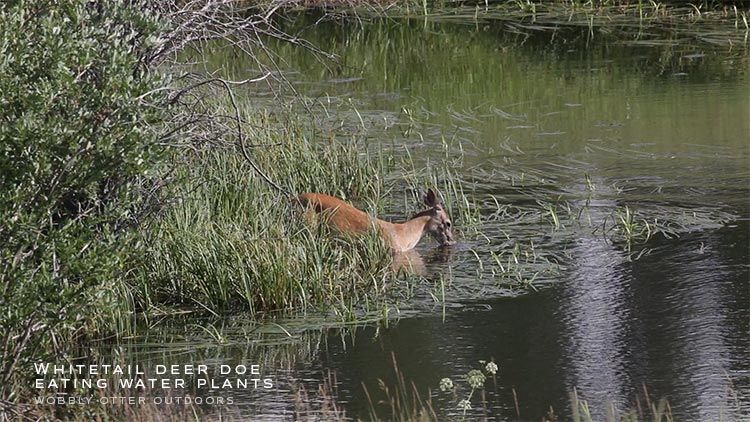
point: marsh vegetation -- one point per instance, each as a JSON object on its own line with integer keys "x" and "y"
{"x": 149, "y": 154}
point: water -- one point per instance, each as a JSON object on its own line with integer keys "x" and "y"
{"x": 558, "y": 118}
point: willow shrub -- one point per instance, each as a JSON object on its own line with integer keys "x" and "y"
{"x": 76, "y": 136}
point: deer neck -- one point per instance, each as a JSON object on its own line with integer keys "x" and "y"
{"x": 404, "y": 236}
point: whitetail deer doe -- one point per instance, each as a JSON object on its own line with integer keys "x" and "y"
{"x": 400, "y": 237}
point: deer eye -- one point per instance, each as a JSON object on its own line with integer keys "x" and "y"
{"x": 448, "y": 224}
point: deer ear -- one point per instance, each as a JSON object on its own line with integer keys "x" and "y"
{"x": 430, "y": 199}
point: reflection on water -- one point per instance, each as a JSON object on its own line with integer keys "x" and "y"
{"x": 661, "y": 129}
{"x": 668, "y": 321}
{"x": 593, "y": 307}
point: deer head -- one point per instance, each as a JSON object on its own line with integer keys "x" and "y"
{"x": 439, "y": 225}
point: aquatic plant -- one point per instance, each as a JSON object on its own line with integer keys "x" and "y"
{"x": 475, "y": 379}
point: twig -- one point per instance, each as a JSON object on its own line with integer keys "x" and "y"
{"x": 241, "y": 140}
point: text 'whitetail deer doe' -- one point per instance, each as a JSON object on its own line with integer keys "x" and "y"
{"x": 400, "y": 237}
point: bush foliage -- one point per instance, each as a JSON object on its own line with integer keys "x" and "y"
{"x": 79, "y": 131}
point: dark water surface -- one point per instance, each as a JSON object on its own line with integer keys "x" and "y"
{"x": 675, "y": 321}
{"x": 596, "y": 123}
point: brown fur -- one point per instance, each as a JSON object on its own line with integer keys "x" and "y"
{"x": 339, "y": 214}
{"x": 400, "y": 236}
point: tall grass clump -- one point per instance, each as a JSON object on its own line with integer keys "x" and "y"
{"x": 78, "y": 137}
{"x": 232, "y": 241}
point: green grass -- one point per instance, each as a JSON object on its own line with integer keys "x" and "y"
{"x": 231, "y": 241}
